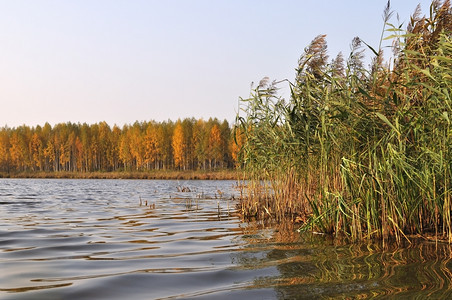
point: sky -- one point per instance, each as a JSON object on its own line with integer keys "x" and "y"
{"x": 121, "y": 61}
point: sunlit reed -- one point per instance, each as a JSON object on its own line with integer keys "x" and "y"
{"x": 363, "y": 153}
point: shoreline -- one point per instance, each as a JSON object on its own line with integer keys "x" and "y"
{"x": 150, "y": 175}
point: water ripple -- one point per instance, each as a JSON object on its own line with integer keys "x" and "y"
{"x": 84, "y": 239}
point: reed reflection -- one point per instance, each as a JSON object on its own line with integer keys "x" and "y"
{"x": 314, "y": 266}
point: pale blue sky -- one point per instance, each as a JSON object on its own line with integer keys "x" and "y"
{"x": 125, "y": 60}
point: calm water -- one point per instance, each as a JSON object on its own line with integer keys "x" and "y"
{"x": 91, "y": 239}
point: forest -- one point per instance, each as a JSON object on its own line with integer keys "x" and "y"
{"x": 187, "y": 144}
{"x": 362, "y": 152}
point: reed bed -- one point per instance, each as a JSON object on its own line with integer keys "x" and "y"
{"x": 363, "y": 153}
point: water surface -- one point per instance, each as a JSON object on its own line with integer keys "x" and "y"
{"x": 150, "y": 239}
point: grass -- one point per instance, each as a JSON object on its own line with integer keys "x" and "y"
{"x": 361, "y": 153}
{"x": 168, "y": 174}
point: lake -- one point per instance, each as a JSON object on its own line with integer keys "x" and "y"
{"x": 151, "y": 239}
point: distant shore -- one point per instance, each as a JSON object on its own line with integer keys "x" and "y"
{"x": 162, "y": 174}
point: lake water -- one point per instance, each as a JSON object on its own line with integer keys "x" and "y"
{"x": 93, "y": 239}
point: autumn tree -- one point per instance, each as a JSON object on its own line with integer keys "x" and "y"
{"x": 137, "y": 144}
{"x": 189, "y": 143}
{"x": 215, "y": 146}
{"x": 115, "y": 139}
{"x": 37, "y": 152}
{"x": 124, "y": 148}
{"x": 5, "y": 159}
{"x": 179, "y": 146}
{"x": 201, "y": 141}
{"x": 152, "y": 146}
{"x": 17, "y": 151}
{"x": 164, "y": 132}
{"x": 105, "y": 147}
{"x": 78, "y": 154}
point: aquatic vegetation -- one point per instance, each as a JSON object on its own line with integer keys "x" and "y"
{"x": 149, "y": 174}
{"x": 358, "y": 152}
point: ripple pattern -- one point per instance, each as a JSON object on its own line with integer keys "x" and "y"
{"x": 138, "y": 239}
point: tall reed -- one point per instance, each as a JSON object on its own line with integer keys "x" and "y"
{"x": 358, "y": 152}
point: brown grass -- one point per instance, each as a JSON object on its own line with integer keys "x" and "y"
{"x": 169, "y": 174}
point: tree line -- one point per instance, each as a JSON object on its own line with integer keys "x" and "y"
{"x": 187, "y": 144}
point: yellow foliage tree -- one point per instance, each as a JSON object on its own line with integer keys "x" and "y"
{"x": 152, "y": 145}
{"x": 4, "y": 150}
{"x": 124, "y": 149}
{"x": 79, "y": 154}
{"x": 178, "y": 146}
{"x": 136, "y": 145}
{"x": 17, "y": 151}
{"x": 36, "y": 150}
{"x": 215, "y": 145}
